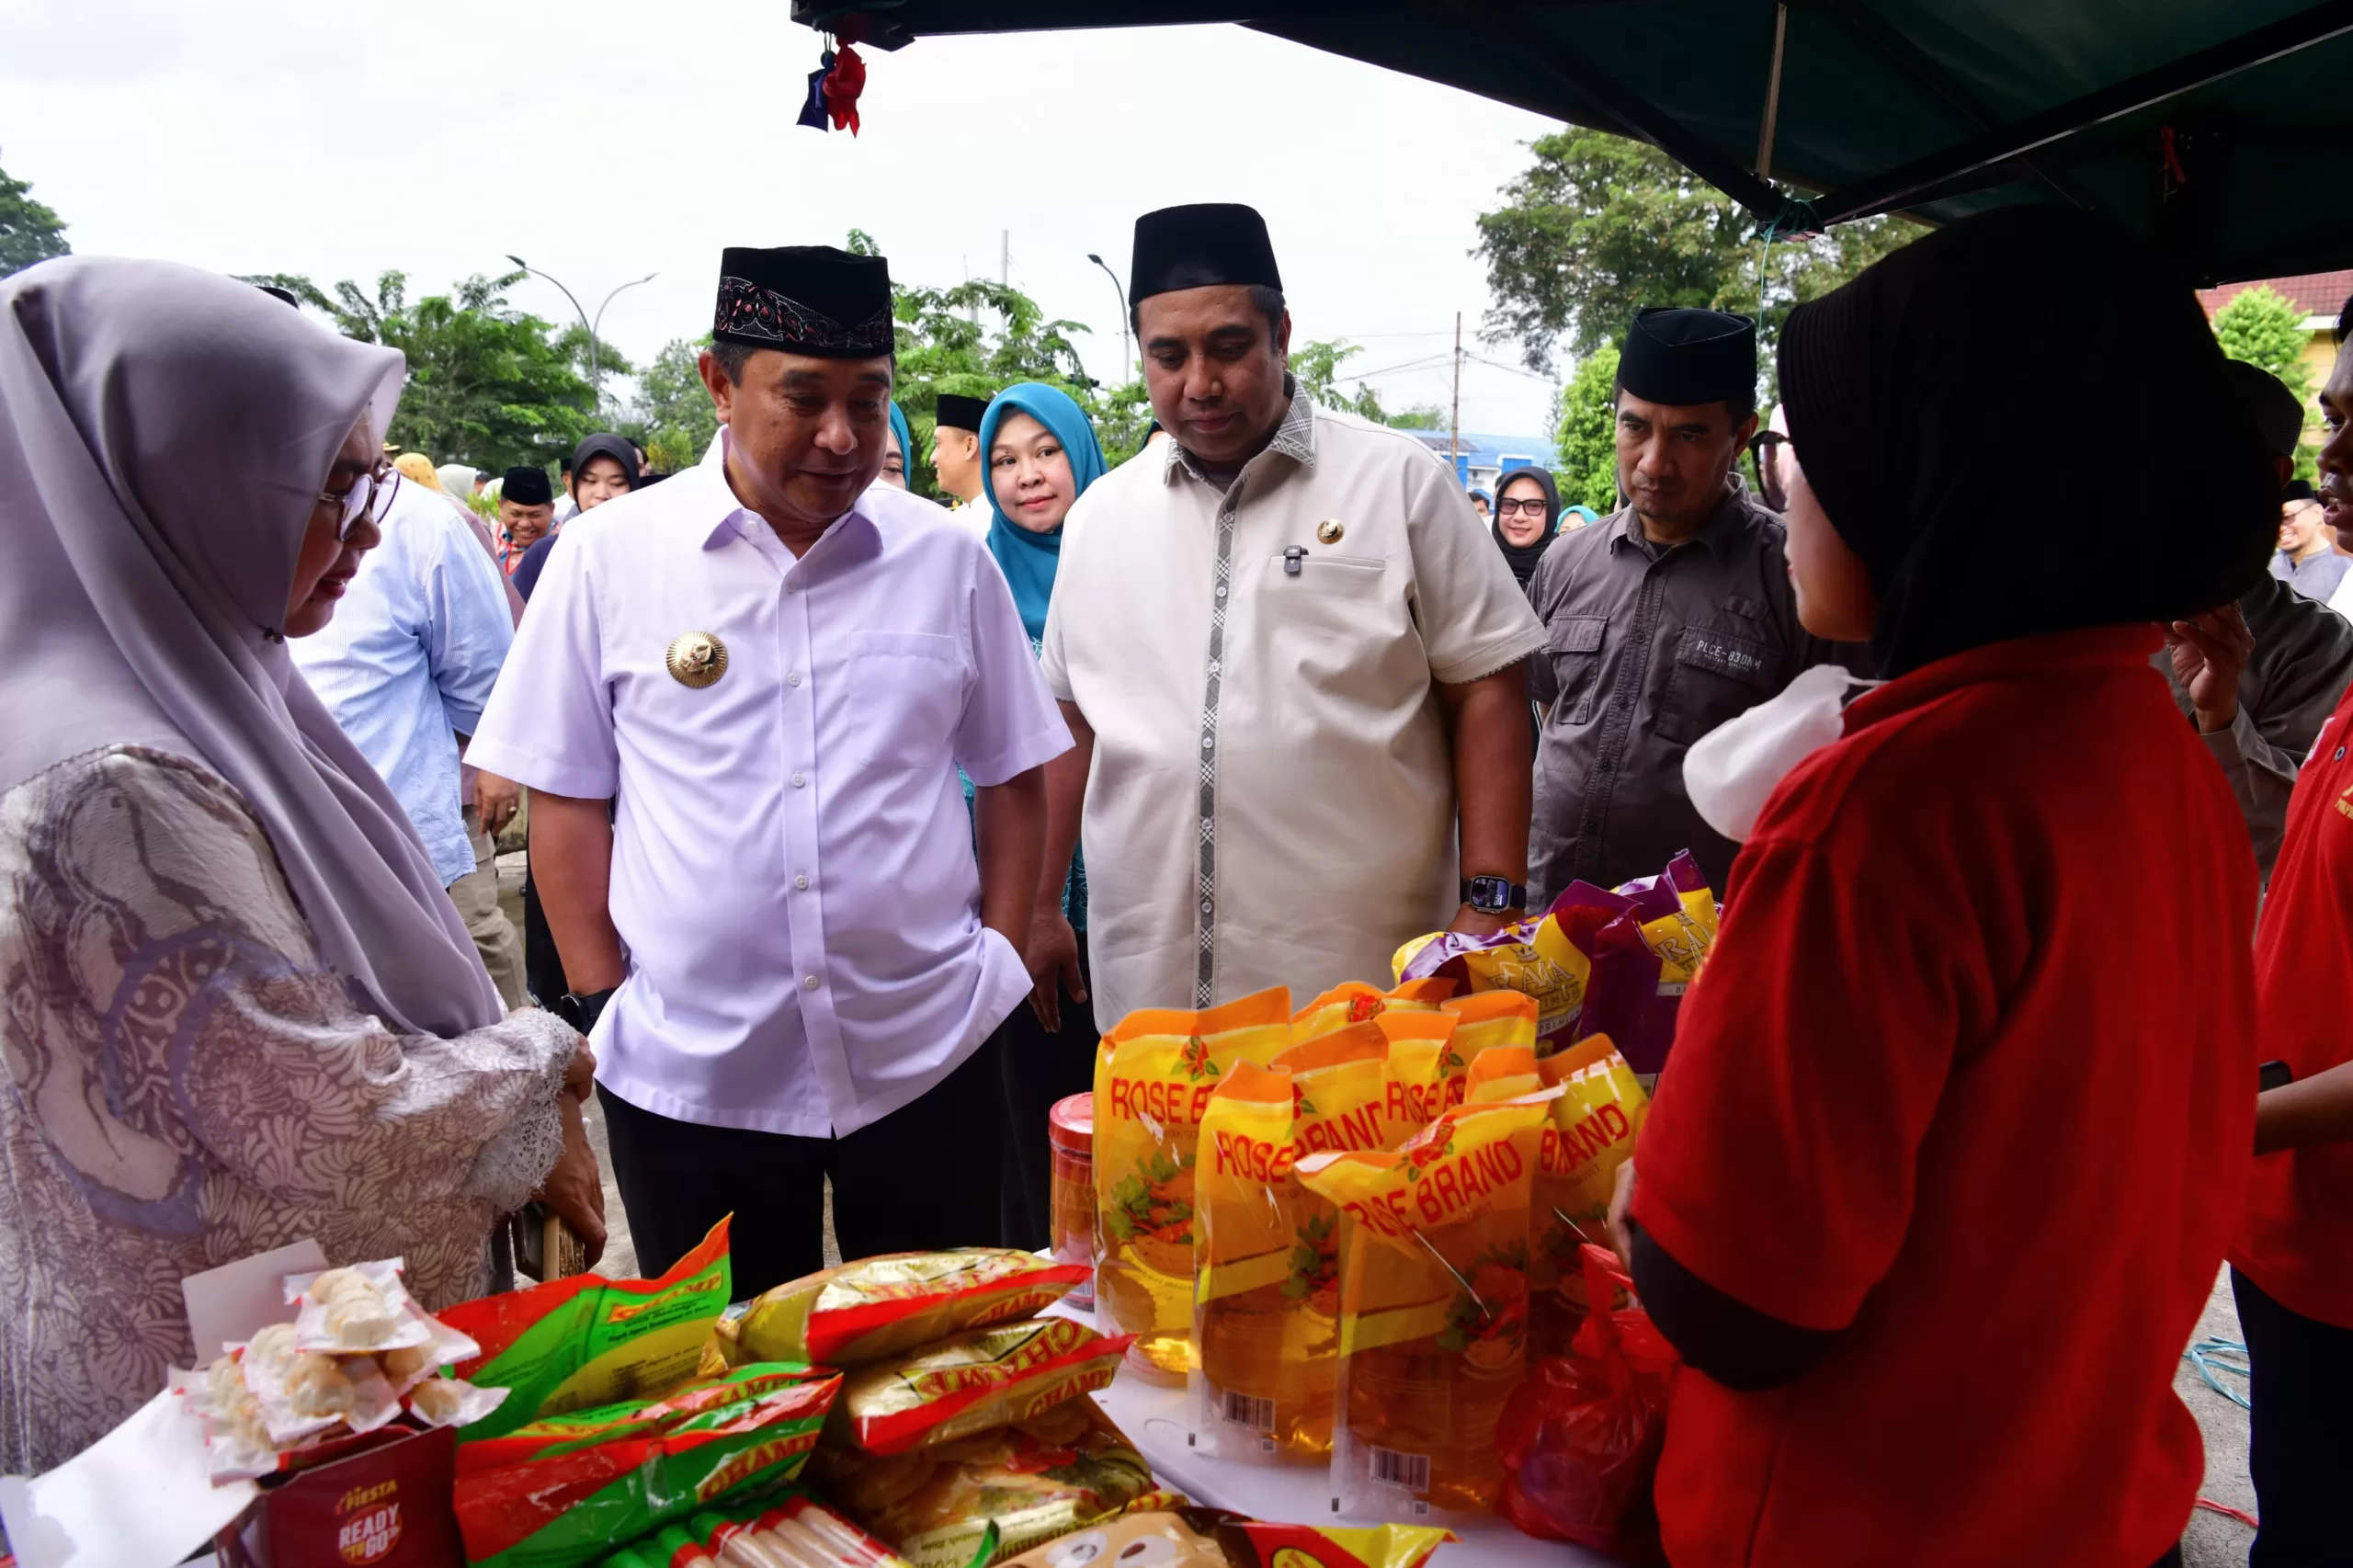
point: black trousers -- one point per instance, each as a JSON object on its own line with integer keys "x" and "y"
{"x": 1039, "y": 1069}
{"x": 542, "y": 966}
{"x": 923, "y": 1178}
{"x": 2301, "y": 1447}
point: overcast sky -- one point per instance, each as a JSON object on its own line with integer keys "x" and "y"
{"x": 601, "y": 141}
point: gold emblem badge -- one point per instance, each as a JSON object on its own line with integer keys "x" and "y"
{"x": 1328, "y": 531}
{"x": 697, "y": 659}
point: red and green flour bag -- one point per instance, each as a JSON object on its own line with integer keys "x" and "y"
{"x": 588, "y": 1341}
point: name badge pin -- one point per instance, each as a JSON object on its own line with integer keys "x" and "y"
{"x": 697, "y": 659}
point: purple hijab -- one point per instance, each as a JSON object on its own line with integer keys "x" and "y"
{"x": 163, "y": 433}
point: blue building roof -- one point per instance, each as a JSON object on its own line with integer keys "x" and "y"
{"x": 1481, "y": 456}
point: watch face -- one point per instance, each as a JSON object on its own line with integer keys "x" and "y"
{"x": 1490, "y": 895}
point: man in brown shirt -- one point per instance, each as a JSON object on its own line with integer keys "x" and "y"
{"x": 1662, "y": 621}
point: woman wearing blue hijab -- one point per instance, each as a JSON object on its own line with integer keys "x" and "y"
{"x": 1038, "y": 455}
{"x": 895, "y": 462}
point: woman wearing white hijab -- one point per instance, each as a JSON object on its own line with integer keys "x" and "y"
{"x": 240, "y": 1009}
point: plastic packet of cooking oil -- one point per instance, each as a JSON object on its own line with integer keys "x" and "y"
{"x": 1354, "y": 1002}
{"x": 1267, "y": 1250}
{"x": 1489, "y": 1018}
{"x": 1424, "y": 1068}
{"x": 1433, "y": 1303}
{"x": 1154, "y": 1073}
{"x": 1589, "y": 1134}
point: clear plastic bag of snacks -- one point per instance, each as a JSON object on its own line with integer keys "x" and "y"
{"x": 1433, "y": 1305}
{"x": 1153, "y": 1074}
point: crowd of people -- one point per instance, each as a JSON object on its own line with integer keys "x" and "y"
{"x": 853, "y": 815}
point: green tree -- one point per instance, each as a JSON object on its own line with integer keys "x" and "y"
{"x": 673, "y": 417}
{"x": 1316, "y": 366}
{"x": 488, "y": 385}
{"x": 1422, "y": 416}
{"x": 1587, "y": 467}
{"x": 29, "y": 232}
{"x": 2261, "y": 328}
{"x": 1601, "y": 226}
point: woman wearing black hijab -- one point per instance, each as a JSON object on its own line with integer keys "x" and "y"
{"x": 1942, "y": 1165}
{"x": 1523, "y": 532}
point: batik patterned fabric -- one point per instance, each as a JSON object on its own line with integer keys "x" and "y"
{"x": 188, "y": 1085}
{"x": 746, "y": 310}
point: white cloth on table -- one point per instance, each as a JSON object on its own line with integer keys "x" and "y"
{"x": 793, "y": 875}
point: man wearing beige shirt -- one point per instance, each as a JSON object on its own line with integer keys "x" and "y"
{"x": 1292, "y": 662}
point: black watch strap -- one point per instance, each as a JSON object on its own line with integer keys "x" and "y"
{"x": 1494, "y": 895}
{"x": 582, "y": 1012}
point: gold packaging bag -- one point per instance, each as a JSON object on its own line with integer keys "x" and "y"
{"x": 1354, "y": 1002}
{"x": 1590, "y": 1133}
{"x": 1424, "y": 1070}
{"x": 1155, "y": 1073}
{"x": 1433, "y": 1305}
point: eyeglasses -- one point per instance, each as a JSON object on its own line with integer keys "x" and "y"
{"x": 1536, "y": 509}
{"x": 370, "y": 496}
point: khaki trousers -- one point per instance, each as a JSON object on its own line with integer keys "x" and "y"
{"x": 476, "y": 896}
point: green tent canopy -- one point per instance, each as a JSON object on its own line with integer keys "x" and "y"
{"x": 2220, "y": 129}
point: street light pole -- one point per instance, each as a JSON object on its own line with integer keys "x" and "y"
{"x": 1127, "y": 344}
{"x": 595, "y": 372}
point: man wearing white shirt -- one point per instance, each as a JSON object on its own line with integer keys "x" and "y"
{"x": 740, "y": 701}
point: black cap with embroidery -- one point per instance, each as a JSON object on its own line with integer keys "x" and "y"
{"x": 959, "y": 412}
{"x": 805, "y": 299}
{"x": 1687, "y": 357}
{"x": 1200, "y": 247}
{"x": 527, "y": 487}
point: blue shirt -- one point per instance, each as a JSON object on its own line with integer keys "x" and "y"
{"x": 409, "y": 659}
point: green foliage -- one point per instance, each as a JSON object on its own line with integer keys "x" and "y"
{"x": 1587, "y": 437}
{"x": 1601, "y": 226}
{"x": 2261, "y": 328}
{"x": 676, "y": 422}
{"x": 1424, "y": 416}
{"x": 1316, "y": 366}
{"x": 487, "y": 385}
{"x": 29, "y": 232}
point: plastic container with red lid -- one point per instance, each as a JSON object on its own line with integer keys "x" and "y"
{"x": 1070, "y": 1127}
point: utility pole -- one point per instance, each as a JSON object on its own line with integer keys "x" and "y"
{"x": 1005, "y": 258}
{"x": 1454, "y": 437}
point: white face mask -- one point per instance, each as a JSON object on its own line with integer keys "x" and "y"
{"x": 1734, "y": 770}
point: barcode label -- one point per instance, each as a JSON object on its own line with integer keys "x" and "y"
{"x": 1241, "y": 1410}
{"x": 1410, "y": 1471}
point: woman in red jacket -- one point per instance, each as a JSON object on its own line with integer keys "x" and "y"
{"x": 1958, "y": 1114}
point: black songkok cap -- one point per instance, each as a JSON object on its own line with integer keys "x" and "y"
{"x": 959, "y": 412}
{"x": 1687, "y": 357}
{"x": 1200, "y": 247}
{"x": 805, "y": 299}
{"x": 527, "y": 487}
{"x": 2279, "y": 417}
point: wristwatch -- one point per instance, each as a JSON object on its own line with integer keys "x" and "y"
{"x": 1494, "y": 895}
{"x": 582, "y": 1012}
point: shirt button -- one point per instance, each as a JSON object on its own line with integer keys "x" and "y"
{"x": 797, "y": 781}
{"x": 1208, "y": 741}
{"x": 808, "y": 983}
{"x": 1205, "y": 906}
{"x": 801, "y": 882}
{"x": 792, "y": 679}
{"x": 1221, "y": 590}
{"x": 2340, "y": 754}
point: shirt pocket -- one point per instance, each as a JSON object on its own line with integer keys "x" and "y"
{"x": 906, "y": 694}
{"x": 1718, "y": 675}
{"x": 1337, "y": 621}
{"x": 1573, "y": 644}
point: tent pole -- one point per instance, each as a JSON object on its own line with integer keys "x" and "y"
{"x": 1772, "y": 94}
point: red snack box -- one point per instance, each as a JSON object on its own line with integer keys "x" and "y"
{"x": 386, "y": 1507}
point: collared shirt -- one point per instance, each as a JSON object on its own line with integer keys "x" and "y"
{"x": 1272, "y": 795}
{"x": 792, "y": 869}
{"x": 2291, "y": 683}
{"x": 1649, "y": 647}
{"x": 409, "y": 660}
{"x": 2316, "y": 577}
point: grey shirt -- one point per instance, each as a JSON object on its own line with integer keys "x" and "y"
{"x": 2294, "y": 681}
{"x": 1648, "y": 648}
{"x": 2315, "y": 576}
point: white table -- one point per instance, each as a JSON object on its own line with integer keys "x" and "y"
{"x": 1153, "y": 1419}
